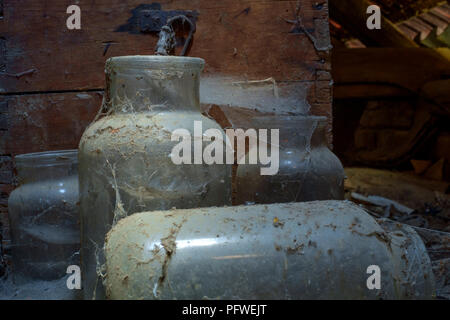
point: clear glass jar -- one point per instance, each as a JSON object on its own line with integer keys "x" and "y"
{"x": 44, "y": 216}
{"x": 308, "y": 170}
{"x": 314, "y": 250}
{"x": 125, "y": 156}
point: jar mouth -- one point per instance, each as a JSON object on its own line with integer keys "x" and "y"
{"x": 156, "y": 62}
{"x": 47, "y": 158}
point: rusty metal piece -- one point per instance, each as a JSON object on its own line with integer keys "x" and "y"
{"x": 150, "y": 18}
{"x": 166, "y": 43}
{"x": 154, "y": 20}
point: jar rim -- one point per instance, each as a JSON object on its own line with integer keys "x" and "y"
{"x": 156, "y": 62}
{"x": 47, "y": 158}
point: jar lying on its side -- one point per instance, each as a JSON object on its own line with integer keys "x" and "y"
{"x": 44, "y": 216}
{"x": 308, "y": 170}
{"x": 310, "y": 250}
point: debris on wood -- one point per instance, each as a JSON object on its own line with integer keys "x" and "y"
{"x": 430, "y": 204}
{"x": 387, "y": 204}
{"x": 436, "y": 171}
{"x": 420, "y": 166}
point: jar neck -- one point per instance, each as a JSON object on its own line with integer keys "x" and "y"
{"x": 152, "y": 84}
{"x": 319, "y": 137}
{"x": 295, "y": 132}
{"x": 35, "y": 167}
{"x": 293, "y": 140}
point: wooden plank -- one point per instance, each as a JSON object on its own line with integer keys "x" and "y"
{"x": 423, "y": 28}
{"x": 43, "y": 122}
{"x": 3, "y": 115}
{"x": 439, "y": 92}
{"x": 441, "y": 13}
{"x": 431, "y": 19}
{"x": 53, "y": 76}
{"x": 407, "y": 31}
{"x": 250, "y": 38}
{"x": 408, "y": 68}
{"x": 352, "y": 15}
{"x": 6, "y": 170}
{"x": 369, "y": 91}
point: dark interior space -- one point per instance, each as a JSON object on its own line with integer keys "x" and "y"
{"x": 379, "y": 97}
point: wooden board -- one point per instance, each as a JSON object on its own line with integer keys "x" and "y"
{"x": 44, "y": 64}
{"x": 43, "y": 122}
{"x": 52, "y": 78}
{"x": 56, "y": 121}
{"x": 249, "y": 38}
{"x": 370, "y": 91}
{"x": 408, "y": 68}
{"x": 352, "y": 14}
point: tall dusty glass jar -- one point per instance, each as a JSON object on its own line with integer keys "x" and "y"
{"x": 126, "y": 163}
{"x": 44, "y": 216}
{"x": 308, "y": 170}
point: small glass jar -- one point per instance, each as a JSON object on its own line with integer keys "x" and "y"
{"x": 43, "y": 213}
{"x": 308, "y": 170}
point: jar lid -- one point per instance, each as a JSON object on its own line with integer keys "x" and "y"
{"x": 47, "y": 158}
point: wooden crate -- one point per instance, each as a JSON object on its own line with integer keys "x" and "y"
{"x": 52, "y": 78}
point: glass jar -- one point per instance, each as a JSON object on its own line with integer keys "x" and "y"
{"x": 44, "y": 216}
{"x": 126, "y": 160}
{"x": 314, "y": 250}
{"x": 308, "y": 170}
